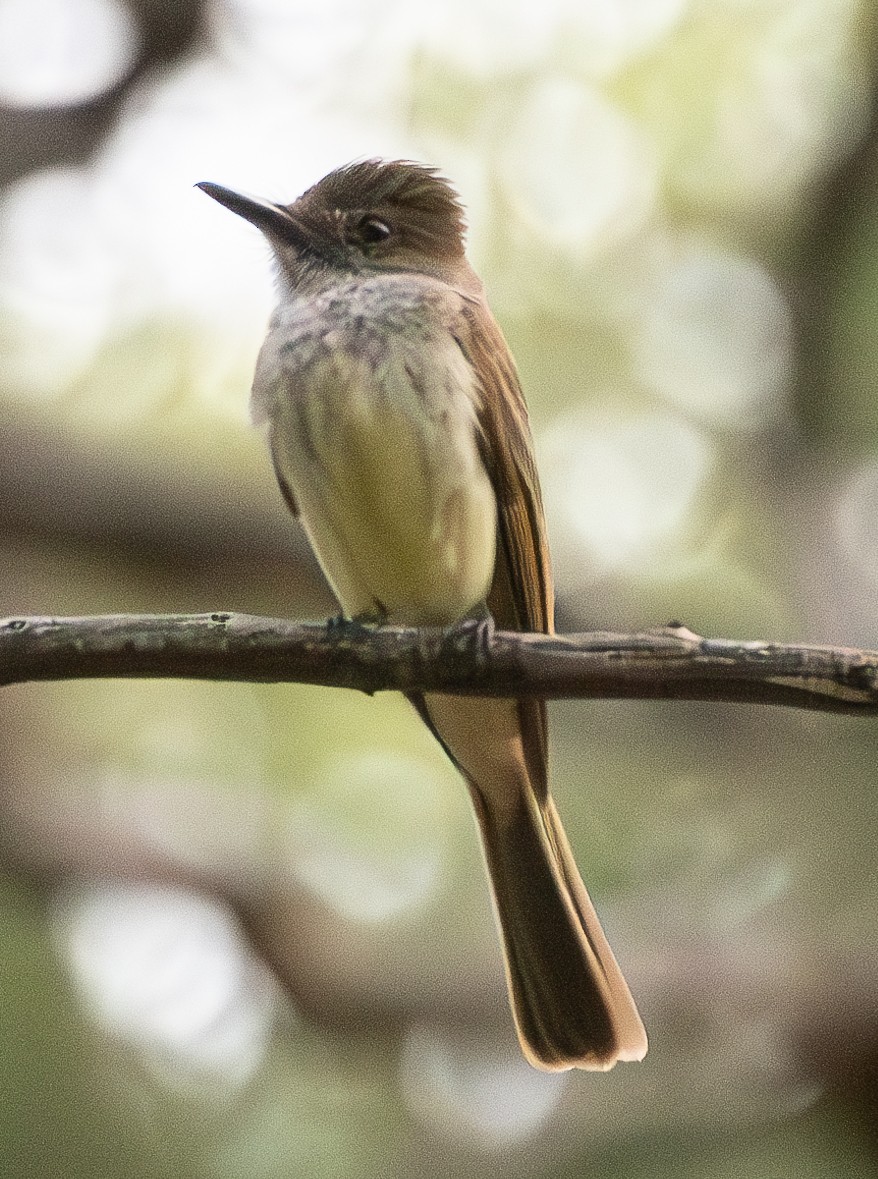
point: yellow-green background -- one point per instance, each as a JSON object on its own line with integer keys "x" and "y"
{"x": 674, "y": 206}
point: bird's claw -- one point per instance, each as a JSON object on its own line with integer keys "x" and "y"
{"x": 476, "y": 634}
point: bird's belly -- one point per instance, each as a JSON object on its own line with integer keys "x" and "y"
{"x": 394, "y": 497}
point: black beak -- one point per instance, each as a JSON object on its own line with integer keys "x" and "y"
{"x": 275, "y": 220}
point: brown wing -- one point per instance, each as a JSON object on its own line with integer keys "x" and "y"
{"x": 521, "y": 595}
{"x": 285, "y": 489}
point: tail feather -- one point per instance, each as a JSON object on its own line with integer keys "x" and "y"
{"x": 630, "y": 1033}
{"x": 571, "y": 1005}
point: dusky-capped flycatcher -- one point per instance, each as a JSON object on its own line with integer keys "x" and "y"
{"x": 400, "y": 439}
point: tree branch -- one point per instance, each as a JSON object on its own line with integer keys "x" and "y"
{"x": 670, "y": 663}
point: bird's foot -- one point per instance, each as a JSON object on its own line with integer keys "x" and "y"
{"x": 474, "y": 634}
{"x": 340, "y": 624}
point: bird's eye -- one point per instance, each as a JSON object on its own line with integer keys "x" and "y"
{"x": 373, "y": 230}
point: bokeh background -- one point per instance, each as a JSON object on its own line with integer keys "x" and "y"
{"x": 245, "y": 929}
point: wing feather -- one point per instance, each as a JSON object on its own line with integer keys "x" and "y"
{"x": 521, "y": 595}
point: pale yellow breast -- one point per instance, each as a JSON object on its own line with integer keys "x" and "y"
{"x": 381, "y": 454}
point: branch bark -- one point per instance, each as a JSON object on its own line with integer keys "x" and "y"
{"x": 669, "y": 663}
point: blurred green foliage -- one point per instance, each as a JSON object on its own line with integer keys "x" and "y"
{"x": 674, "y": 210}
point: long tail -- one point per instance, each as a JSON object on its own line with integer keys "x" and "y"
{"x": 571, "y": 1005}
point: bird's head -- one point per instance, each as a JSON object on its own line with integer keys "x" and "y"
{"x": 370, "y": 216}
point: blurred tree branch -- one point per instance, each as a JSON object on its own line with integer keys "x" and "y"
{"x": 42, "y": 137}
{"x": 68, "y": 502}
{"x": 667, "y": 663}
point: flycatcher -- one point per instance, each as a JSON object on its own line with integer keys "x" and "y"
{"x": 400, "y": 439}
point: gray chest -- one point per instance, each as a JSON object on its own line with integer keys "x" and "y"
{"x": 372, "y": 338}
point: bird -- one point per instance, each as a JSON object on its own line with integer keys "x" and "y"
{"x": 400, "y": 439}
